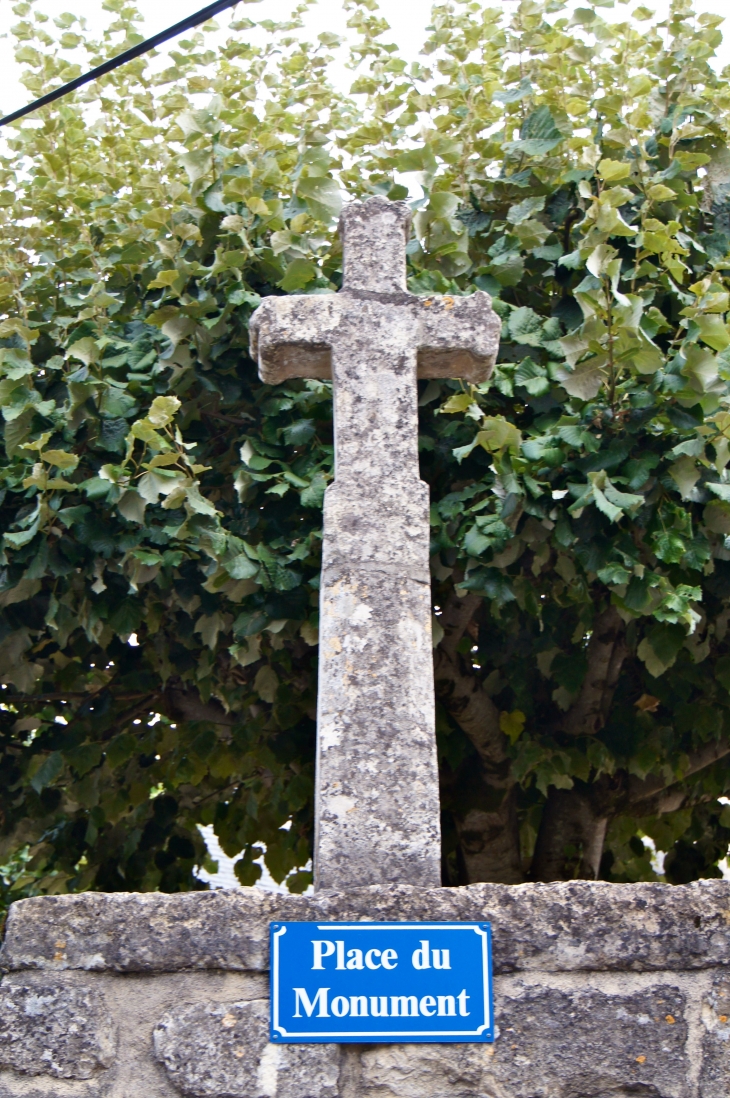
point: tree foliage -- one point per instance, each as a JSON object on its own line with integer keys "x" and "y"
{"x": 161, "y": 508}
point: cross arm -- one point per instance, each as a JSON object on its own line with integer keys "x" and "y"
{"x": 292, "y": 336}
{"x": 458, "y": 336}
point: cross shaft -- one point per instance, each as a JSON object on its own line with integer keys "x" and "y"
{"x": 377, "y": 803}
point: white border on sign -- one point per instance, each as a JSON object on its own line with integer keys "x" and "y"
{"x": 391, "y": 1032}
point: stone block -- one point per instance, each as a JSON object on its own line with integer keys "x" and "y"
{"x": 715, "y": 1073}
{"x": 575, "y": 926}
{"x": 55, "y": 1030}
{"x": 222, "y": 1050}
{"x": 553, "y": 1043}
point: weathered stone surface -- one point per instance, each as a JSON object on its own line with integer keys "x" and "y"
{"x": 222, "y": 1051}
{"x": 378, "y": 775}
{"x": 566, "y": 927}
{"x": 377, "y": 803}
{"x": 553, "y": 1043}
{"x": 715, "y": 1074}
{"x": 64, "y": 1032}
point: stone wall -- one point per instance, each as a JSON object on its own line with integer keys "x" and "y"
{"x": 601, "y": 991}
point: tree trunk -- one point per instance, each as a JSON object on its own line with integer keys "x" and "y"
{"x": 489, "y": 843}
{"x": 607, "y": 651}
{"x": 573, "y": 828}
{"x": 489, "y": 840}
{"x": 571, "y": 836}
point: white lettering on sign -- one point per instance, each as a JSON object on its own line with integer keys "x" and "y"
{"x": 390, "y": 958}
{"x": 401, "y": 1006}
{"x": 370, "y": 956}
{"x": 374, "y": 958}
{"x": 322, "y": 950}
{"x": 302, "y": 998}
{"x": 354, "y": 958}
{"x": 424, "y": 957}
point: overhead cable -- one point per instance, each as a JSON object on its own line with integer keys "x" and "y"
{"x": 114, "y": 62}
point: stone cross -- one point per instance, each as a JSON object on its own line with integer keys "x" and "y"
{"x": 377, "y": 793}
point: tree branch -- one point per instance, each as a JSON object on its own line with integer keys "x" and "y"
{"x": 69, "y": 695}
{"x": 187, "y": 705}
{"x": 654, "y": 795}
{"x": 489, "y": 845}
{"x": 607, "y": 651}
{"x": 457, "y": 614}
{"x": 461, "y": 692}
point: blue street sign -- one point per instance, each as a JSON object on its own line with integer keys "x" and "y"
{"x": 369, "y": 982}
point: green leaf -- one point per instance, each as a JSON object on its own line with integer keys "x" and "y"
{"x": 120, "y": 749}
{"x": 127, "y": 617}
{"x": 297, "y": 434}
{"x": 84, "y": 758}
{"x": 323, "y": 197}
{"x": 313, "y": 495}
{"x": 62, "y": 459}
{"x": 613, "y": 170}
{"x": 241, "y": 567}
{"x": 459, "y": 402}
{"x": 163, "y": 410}
{"x": 586, "y": 379}
{"x": 50, "y": 768}
{"x": 514, "y": 95}
{"x": 250, "y": 622}
{"x": 525, "y": 326}
{"x": 525, "y": 209}
{"x": 512, "y": 724}
{"x": 532, "y": 377}
{"x": 132, "y": 506}
{"x": 713, "y": 331}
{"x": 721, "y": 490}
{"x": 538, "y": 135}
{"x": 475, "y": 543}
{"x": 266, "y": 683}
{"x": 685, "y": 474}
{"x": 299, "y": 273}
{"x": 700, "y": 367}
{"x": 610, "y": 510}
{"x": 197, "y": 503}
{"x": 660, "y": 647}
{"x": 498, "y": 435}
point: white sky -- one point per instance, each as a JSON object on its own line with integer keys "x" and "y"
{"x": 408, "y": 20}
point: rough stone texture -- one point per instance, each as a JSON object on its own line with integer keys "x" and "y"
{"x": 223, "y": 1051}
{"x": 565, "y": 927}
{"x": 585, "y": 1042}
{"x": 377, "y": 802}
{"x": 603, "y": 991}
{"x": 64, "y": 1032}
{"x": 715, "y": 1075}
{"x": 554, "y": 1043}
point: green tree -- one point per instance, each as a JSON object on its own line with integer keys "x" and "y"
{"x": 161, "y": 508}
